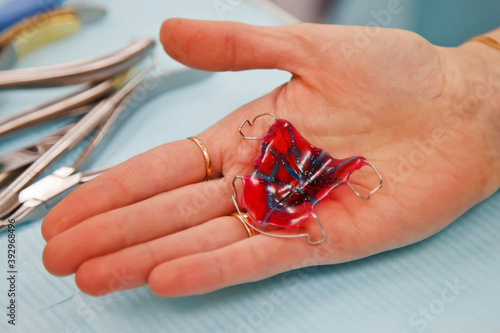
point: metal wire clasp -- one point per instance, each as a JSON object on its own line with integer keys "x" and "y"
{"x": 374, "y": 190}
{"x": 252, "y": 123}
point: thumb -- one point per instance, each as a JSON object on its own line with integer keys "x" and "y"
{"x": 223, "y": 46}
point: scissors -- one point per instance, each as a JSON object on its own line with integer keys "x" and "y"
{"x": 25, "y": 203}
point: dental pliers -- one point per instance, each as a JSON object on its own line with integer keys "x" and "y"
{"x": 20, "y": 203}
{"x": 98, "y": 72}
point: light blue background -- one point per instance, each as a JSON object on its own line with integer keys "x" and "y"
{"x": 442, "y": 22}
{"x": 377, "y": 294}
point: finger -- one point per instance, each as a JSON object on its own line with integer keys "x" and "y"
{"x": 158, "y": 170}
{"x": 249, "y": 260}
{"x": 130, "y": 267}
{"x": 222, "y": 46}
{"x": 260, "y": 257}
{"x": 155, "y": 217}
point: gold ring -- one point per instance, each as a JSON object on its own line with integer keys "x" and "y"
{"x": 208, "y": 161}
{"x": 251, "y": 231}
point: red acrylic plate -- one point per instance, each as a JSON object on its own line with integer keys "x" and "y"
{"x": 290, "y": 177}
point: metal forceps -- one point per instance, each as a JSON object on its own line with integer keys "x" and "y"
{"x": 80, "y": 71}
{"x": 38, "y": 198}
{"x": 34, "y": 201}
{"x": 106, "y": 68}
{"x": 9, "y": 197}
{"x": 14, "y": 163}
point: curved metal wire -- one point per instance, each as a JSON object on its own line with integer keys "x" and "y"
{"x": 271, "y": 234}
{"x": 252, "y": 123}
{"x": 374, "y": 190}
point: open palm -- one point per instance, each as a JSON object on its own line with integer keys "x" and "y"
{"x": 394, "y": 101}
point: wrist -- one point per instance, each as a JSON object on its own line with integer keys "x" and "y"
{"x": 474, "y": 69}
{"x": 482, "y": 63}
{"x": 481, "y": 59}
{"x": 485, "y": 76}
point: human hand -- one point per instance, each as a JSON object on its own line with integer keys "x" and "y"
{"x": 401, "y": 102}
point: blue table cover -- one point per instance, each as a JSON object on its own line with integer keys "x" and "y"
{"x": 447, "y": 283}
